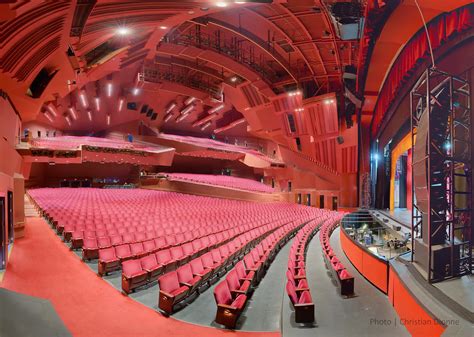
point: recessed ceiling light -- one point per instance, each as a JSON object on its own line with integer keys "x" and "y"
{"x": 233, "y": 79}
{"x": 123, "y": 31}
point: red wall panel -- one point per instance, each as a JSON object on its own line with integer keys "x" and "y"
{"x": 413, "y": 316}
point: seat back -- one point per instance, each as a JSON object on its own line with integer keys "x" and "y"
{"x": 305, "y": 298}
{"x": 106, "y": 254}
{"x": 233, "y": 280}
{"x": 163, "y": 256}
{"x": 148, "y": 261}
{"x": 188, "y": 248}
{"x": 207, "y": 260}
{"x": 185, "y": 274}
{"x": 177, "y": 252}
{"x": 216, "y": 256}
{"x": 196, "y": 266}
{"x": 240, "y": 269}
{"x": 122, "y": 249}
{"x": 222, "y": 293}
{"x": 169, "y": 282}
{"x": 290, "y": 290}
{"x": 131, "y": 266}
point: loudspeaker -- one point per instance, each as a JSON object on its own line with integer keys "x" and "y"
{"x": 153, "y": 117}
{"x": 149, "y": 113}
{"x": 340, "y": 140}
{"x": 132, "y": 105}
{"x": 144, "y": 108}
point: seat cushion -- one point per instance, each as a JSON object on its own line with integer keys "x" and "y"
{"x": 239, "y": 302}
{"x": 179, "y": 290}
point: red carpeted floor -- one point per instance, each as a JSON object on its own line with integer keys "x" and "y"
{"x": 41, "y": 265}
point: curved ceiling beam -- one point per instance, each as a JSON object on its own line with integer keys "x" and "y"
{"x": 333, "y": 35}
{"x": 283, "y": 33}
{"x": 308, "y": 35}
{"x": 249, "y": 36}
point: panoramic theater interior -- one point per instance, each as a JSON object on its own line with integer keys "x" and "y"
{"x": 258, "y": 168}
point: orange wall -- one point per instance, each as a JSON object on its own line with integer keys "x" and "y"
{"x": 410, "y": 311}
{"x": 373, "y": 269}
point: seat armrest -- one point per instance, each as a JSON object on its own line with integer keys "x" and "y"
{"x": 166, "y": 294}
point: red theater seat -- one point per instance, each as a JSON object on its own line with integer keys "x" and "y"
{"x": 186, "y": 277}
{"x": 151, "y": 266}
{"x": 123, "y": 252}
{"x": 228, "y": 309}
{"x": 133, "y": 276}
{"x": 302, "y": 304}
{"x": 108, "y": 261}
{"x": 198, "y": 269}
{"x": 164, "y": 258}
{"x": 90, "y": 249}
{"x": 171, "y": 292}
{"x": 236, "y": 287}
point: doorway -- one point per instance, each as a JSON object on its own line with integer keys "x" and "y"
{"x": 308, "y": 199}
{"x": 298, "y": 198}
{"x": 334, "y": 203}
{"x": 3, "y": 240}
{"x": 321, "y": 201}
{"x": 10, "y": 216}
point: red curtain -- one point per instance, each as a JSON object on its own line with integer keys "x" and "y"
{"x": 416, "y": 50}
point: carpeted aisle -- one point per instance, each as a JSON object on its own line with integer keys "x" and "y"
{"x": 41, "y": 265}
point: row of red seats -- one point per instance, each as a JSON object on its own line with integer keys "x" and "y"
{"x": 297, "y": 285}
{"x": 169, "y": 259}
{"x": 343, "y": 278}
{"x": 181, "y": 284}
{"x": 222, "y": 180}
{"x": 231, "y": 294}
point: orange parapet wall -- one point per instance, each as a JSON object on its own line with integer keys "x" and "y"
{"x": 372, "y": 268}
{"x": 412, "y": 315}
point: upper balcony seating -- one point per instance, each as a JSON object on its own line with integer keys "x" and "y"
{"x": 344, "y": 279}
{"x": 224, "y": 181}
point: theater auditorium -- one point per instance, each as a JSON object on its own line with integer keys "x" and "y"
{"x": 256, "y": 168}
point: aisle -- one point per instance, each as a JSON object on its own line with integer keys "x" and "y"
{"x": 366, "y": 315}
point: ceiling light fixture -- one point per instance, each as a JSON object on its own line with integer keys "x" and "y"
{"x": 108, "y": 119}
{"x": 163, "y": 27}
{"x": 135, "y": 91}
{"x": 215, "y": 109}
{"x": 68, "y": 120}
{"x": 89, "y": 115}
{"x": 221, "y": 4}
{"x": 187, "y": 110}
{"x": 121, "y": 102}
{"x": 72, "y": 111}
{"x": 170, "y": 108}
{"x": 97, "y": 103}
{"x": 168, "y": 116}
{"x": 109, "y": 89}
{"x": 189, "y": 100}
{"x": 123, "y": 31}
{"x": 46, "y": 114}
{"x": 206, "y": 125}
{"x": 83, "y": 98}
{"x": 52, "y": 109}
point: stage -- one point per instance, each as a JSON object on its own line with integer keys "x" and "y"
{"x": 450, "y": 302}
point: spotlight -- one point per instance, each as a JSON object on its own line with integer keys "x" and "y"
{"x": 233, "y": 79}
{"x": 375, "y": 156}
{"x": 221, "y": 4}
{"x": 46, "y": 114}
{"x": 168, "y": 116}
{"x": 206, "y": 125}
{"x": 123, "y": 31}
{"x": 73, "y": 112}
{"x": 68, "y": 120}
{"x": 215, "y": 109}
{"x": 109, "y": 89}
{"x": 52, "y": 109}
{"x": 187, "y": 110}
{"x": 447, "y": 145}
{"x": 121, "y": 102}
{"x": 83, "y": 98}
{"x": 89, "y": 115}
{"x": 163, "y": 27}
{"x": 135, "y": 91}
{"x": 170, "y": 108}
{"x": 97, "y": 103}
{"x": 189, "y": 100}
